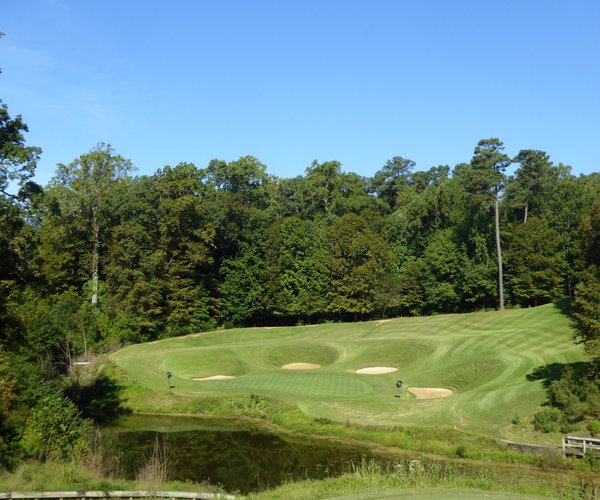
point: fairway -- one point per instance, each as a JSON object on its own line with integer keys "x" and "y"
{"x": 495, "y": 364}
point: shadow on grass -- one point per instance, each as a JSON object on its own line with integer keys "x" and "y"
{"x": 99, "y": 400}
{"x": 565, "y": 306}
{"x": 553, "y": 371}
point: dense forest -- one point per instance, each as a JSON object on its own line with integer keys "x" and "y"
{"x": 101, "y": 257}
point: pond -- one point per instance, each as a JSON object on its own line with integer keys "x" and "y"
{"x": 240, "y": 457}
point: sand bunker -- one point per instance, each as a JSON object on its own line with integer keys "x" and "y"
{"x": 214, "y": 377}
{"x": 300, "y": 366}
{"x": 430, "y": 392}
{"x": 376, "y": 370}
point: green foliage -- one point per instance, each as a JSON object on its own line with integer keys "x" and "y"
{"x": 249, "y": 406}
{"x": 594, "y": 427}
{"x": 532, "y": 187}
{"x": 573, "y": 398}
{"x": 441, "y": 276}
{"x": 191, "y": 249}
{"x": 8, "y": 397}
{"x": 358, "y": 258}
{"x": 243, "y": 287}
{"x": 586, "y": 307}
{"x": 547, "y": 419}
{"x": 17, "y": 161}
{"x": 299, "y": 267}
{"x": 535, "y": 265}
{"x": 576, "y": 394}
{"x": 589, "y": 235}
{"x": 586, "y": 311}
{"x": 388, "y": 182}
{"x": 55, "y": 430}
{"x": 102, "y": 259}
{"x": 461, "y": 452}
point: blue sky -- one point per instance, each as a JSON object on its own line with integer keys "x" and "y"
{"x": 291, "y": 82}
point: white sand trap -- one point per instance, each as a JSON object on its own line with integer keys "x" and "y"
{"x": 376, "y": 370}
{"x": 430, "y": 392}
{"x": 300, "y": 366}
{"x": 214, "y": 377}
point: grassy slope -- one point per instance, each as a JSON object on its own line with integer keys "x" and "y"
{"x": 489, "y": 359}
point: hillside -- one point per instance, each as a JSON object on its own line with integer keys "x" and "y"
{"x": 496, "y": 364}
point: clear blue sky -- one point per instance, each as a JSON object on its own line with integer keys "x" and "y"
{"x": 290, "y": 82}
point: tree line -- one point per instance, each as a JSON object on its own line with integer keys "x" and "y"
{"x": 101, "y": 256}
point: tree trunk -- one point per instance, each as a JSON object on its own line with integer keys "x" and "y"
{"x": 499, "y": 253}
{"x": 84, "y": 339}
{"x": 95, "y": 257}
{"x": 526, "y": 211}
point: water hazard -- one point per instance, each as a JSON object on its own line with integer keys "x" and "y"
{"x": 243, "y": 459}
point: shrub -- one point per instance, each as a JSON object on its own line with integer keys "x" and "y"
{"x": 576, "y": 395}
{"x": 251, "y": 406}
{"x": 547, "y": 419}
{"x": 550, "y": 459}
{"x": 55, "y": 430}
{"x": 594, "y": 428}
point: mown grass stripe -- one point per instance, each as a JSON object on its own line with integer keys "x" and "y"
{"x": 488, "y": 358}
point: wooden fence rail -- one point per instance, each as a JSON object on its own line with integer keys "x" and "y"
{"x": 580, "y": 446}
{"x": 112, "y": 494}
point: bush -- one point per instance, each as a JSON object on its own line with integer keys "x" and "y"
{"x": 547, "y": 419}
{"x": 250, "y": 406}
{"x": 550, "y": 459}
{"x": 576, "y": 396}
{"x": 55, "y": 430}
{"x": 594, "y": 428}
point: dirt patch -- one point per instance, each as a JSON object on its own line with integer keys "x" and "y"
{"x": 376, "y": 370}
{"x": 213, "y": 377}
{"x": 430, "y": 392}
{"x": 300, "y": 366}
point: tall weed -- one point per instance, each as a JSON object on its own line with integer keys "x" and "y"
{"x": 157, "y": 466}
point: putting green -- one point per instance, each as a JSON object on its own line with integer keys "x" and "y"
{"x": 490, "y": 360}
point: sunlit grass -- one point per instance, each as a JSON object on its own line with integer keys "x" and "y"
{"x": 493, "y": 361}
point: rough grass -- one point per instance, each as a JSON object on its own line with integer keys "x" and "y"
{"x": 416, "y": 479}
{"x": 366, "y": 480}
{"x": 51, "y": 476}
{"x": 496, "y": 362}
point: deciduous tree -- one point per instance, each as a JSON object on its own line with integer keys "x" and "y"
{"x": 86, "y": 185}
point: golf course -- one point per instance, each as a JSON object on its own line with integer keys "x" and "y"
{"x": 471, "y": 372}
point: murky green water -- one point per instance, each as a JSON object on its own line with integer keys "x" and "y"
{"x": 239, "y": 458}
